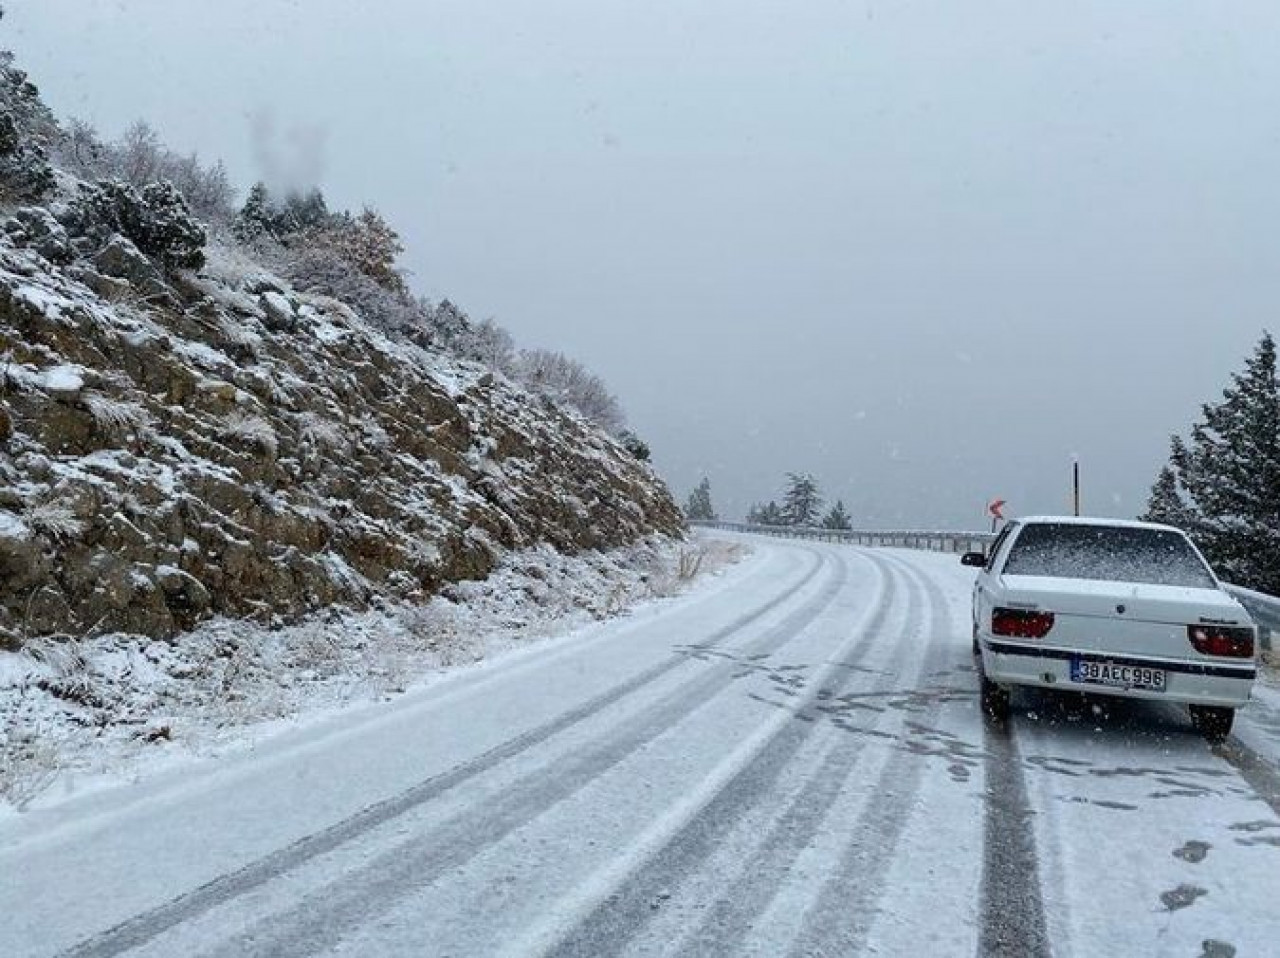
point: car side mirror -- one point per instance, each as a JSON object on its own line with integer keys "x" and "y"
{"x": 974, "y": 559}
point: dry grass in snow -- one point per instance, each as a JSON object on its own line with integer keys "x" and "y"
{"x": 71, "y": 710}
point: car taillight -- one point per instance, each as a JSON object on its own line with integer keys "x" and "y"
{"x": 1232, "y": 642}
{"x": 1021, "y": 624}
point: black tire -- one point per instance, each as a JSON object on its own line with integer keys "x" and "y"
{"x": 996, "y": 704}
{"x": 1212, "y": 721}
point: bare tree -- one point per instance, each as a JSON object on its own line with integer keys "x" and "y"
{"x": 567, "y": 381}
{"x": 80, "y": 150}
{"x": 136, "y": 157}
{"x": 139, "y": 158}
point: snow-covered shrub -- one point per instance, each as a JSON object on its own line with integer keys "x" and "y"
{"x": 139, "y": 158}
{"x": 55, "y": 520}
{"x": 115, "y": 416}
{"x": 321, "y": 433}
{"x": 689, "y": 564}
{"x": 634, "y": 445}
{"x": 317, "y": 269}
{"x": 374, "y": 434}
{"x": 234, "y": 334}
{"x": 451, "y": 329}
{"x": 28, "y": 762}
{"x": 250, "y": 430}
{"x": 567, "y": 381}
{"x": 490, "y": 344}
{"x": 440, "y": 628}
{"x": 156, "y": 219}
{"x": 671, "y": 574}
{"x": 366, "y": 243}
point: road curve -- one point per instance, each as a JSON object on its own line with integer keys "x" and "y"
{"x": 788, "y": 762}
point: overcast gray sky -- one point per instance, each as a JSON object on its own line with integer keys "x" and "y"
{"x": 926, "y": 251}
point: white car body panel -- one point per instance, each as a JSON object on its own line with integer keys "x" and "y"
{"x": 1109, "y": 622}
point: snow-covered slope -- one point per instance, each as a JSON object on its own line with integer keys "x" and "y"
{"x": 175, "y": 445}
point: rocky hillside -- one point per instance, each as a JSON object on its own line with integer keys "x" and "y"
{"x": 176, "y": 444}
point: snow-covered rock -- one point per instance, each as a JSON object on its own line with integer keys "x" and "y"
{"x": 121, "y": 259}
{"x": 280, "y": 312}
{"x": 36, "y": 227}
{"x": 64, "y": 383}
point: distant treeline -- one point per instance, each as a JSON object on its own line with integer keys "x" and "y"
{"x": 801, "y": 505}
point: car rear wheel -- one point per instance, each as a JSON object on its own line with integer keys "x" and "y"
{"x": 994, "y": 699}
{"x": 1212, "y": 721}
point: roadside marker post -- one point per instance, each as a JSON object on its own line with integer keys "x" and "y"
{"x": 996, "y": 507}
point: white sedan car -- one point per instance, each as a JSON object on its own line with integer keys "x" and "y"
{"x": 1109, "y": 607}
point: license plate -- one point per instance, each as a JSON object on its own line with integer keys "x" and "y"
{"x": 1117, "y": 676}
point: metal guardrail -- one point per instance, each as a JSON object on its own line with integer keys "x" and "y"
{"x": 1264, "y": 609}
{"x": 940, "y": 541}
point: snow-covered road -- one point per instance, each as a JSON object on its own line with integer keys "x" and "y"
{"x": 789, "y": 761}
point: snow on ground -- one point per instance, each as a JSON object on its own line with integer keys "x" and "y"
{"x": 790, "y": 760}
{"x": 76, "y": 716}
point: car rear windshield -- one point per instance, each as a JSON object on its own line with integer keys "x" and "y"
{"x": 1107, "y": 552}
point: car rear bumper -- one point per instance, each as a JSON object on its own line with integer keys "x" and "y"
{"x": 1189, "y": 682}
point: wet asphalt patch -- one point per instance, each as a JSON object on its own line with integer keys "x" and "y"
{"x": 1193, "y": 851}
{"x": 1213, "y": 948}
{"x": 1184, "y": 896}
{"x": 1098, "y": 803}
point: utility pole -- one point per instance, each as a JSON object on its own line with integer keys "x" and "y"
{"x": 1075, "y": 484}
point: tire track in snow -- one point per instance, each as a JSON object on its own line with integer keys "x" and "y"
{"x": 321, "y": 918}
{"x": 1260, "y": 775}
{"x": 842, "y": 919}
{"x": 731, "y": 919}
{"x": 624, "y": 916}
{"x": 146, "y": 926}
{"x": 1011, "y": 921}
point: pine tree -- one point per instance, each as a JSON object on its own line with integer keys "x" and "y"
{"x": 255, "y": 217}
{"x": 802, "y": 501}
{"x": 699, "y": 506}
{"x": 1166, "y": 504}
{"x": 837, "y": 518}
{"x": 772, "y": 514}
{"x": 299, "y": 217}
{"x": 1229, "y": 471}
{"x": 766, "y": 514}
{"x": 305, "y": 213}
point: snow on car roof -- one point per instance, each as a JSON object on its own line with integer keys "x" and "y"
{"x": 1094, "y": 521}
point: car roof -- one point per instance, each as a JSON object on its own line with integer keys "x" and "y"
{"x": 1093, "y": 521}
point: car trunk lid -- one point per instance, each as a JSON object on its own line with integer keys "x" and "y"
{"x": 1128, "y": 618}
